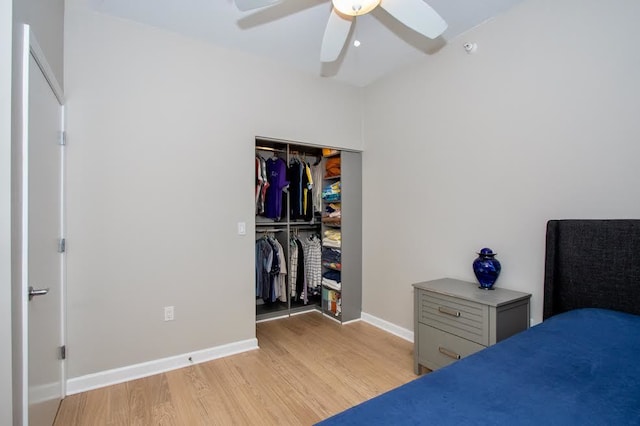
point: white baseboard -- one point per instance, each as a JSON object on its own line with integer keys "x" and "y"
{"x": 388, "y": 327}
{"x": 47, "y": 392}
{"x": 137, "y": 371}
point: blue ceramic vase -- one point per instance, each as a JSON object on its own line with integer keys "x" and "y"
{"x": 487, "y": 268}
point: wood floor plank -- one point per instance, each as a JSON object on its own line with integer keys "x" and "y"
{"x": 97, "y": 408}
{"x": 308, "y": 368}
{"x": 188, "y": 411}
{"x": 119, "y": 411}
{"x": 71, "y": 410}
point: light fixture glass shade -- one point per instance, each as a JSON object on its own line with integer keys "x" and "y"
{"x": 355, "y": 7}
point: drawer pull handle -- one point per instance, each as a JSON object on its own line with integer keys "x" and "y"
{"x": 447, "y": 352}
{"x": 448, "y": 311}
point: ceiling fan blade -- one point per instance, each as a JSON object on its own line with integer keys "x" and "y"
{"x": 246, "y": 5}
{"x": 417, "y": 15}
{"x": 335, "y": 36}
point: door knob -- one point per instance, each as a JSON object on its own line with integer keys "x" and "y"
{"x": 37, "y": 292}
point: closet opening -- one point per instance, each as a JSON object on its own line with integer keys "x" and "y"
{"x": 300, "y": 249}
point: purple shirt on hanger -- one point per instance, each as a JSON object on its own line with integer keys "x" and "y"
{"x": 277, "y": 175}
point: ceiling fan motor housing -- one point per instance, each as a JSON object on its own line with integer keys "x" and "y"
{"x": 355, "y": 7}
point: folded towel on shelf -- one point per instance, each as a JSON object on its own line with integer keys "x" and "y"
{"x": 331, "y": 284}
{"x": 333, "y": 234}
{"x": 332, "y": 167}
{"x": 332, "y": 214}
{"x": 332, "y": 275}
{"x": 331, "y": 255}
{"x": 332, "y": 192}
{"x": 330, "y": 243}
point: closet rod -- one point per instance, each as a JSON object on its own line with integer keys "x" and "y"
{"x": 268, "y": 230}
{"x": 266, "y": 148}
{"x": 297, "y": 231}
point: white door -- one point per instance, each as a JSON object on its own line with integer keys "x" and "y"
{"x": 42, "y": 230}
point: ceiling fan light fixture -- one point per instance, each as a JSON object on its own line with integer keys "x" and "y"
{"x": 355, "y": 7}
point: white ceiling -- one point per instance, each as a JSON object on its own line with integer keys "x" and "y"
{"x": 291, "y": 31}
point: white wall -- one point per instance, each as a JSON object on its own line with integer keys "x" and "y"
{"x": 46, "y": 18}
{"x": 161, "y": 139}
{"x": 5, "y": 212}
{"x": 468, "y": 151}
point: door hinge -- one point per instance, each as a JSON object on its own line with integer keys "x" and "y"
{"x": 62, "y": 137}
{"x": 63, "y": 352}
{"x": 62, "y": 245}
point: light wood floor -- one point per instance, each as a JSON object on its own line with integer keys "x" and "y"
{"x": 307, "y": 368}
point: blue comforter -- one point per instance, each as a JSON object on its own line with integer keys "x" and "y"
{"x": 577, "y": 368}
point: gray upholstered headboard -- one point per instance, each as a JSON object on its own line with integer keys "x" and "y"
{"x": 592, "y": 264}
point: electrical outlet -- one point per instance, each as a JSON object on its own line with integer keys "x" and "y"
{"x": 168, "y": 313}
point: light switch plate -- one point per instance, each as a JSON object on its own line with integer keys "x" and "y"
{"x": 242, "y": 228}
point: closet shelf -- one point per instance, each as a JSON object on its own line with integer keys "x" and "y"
{"x": 276, "y": 224}
{"x": 285, "y": 223}
{"x": 305, "y": 223}
{"x": 332, "y": 225}
{"x": 333, "y": 154}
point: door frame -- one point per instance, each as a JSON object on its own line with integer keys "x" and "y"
{"x": 31, "y": 48}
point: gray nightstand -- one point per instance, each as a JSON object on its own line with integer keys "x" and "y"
{"x": 453, "y": 319}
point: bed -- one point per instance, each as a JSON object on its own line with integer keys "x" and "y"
{"x": 580, "y": 366}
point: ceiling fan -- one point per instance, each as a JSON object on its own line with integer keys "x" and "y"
{"x": 415, "y": 14}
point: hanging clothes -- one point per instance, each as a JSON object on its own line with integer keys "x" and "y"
{"x": 294, "y": 175}
{"x": 301, "y": 205}
{"x": 307, "y": 198}
{"x": 271, "y": 270}
{"x": 313, "y": 261}
{"x": 317, "y": 172}
{"x": 293, "y": 267}
{"x": 277, "y": 177}
{"x": 259, "y": 182}
{"x": 281, "y": 278}
{"x": 275, "y": 270}
{"x": 264, "y": 261}
{"x": 262, "y": 184}
{"x": 301, "y": 282}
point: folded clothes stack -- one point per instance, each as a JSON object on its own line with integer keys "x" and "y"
{"x": 332, "y": 284}
{"x": 332, "y": 214}
{"x": 331, "y": 192}
{"x": 332, "y": 301}
{"x": 331, "y": 258}
{"x": 332, "y": 167}
{"x": 332, "y": 275}
{"x": 332, "y": 280}
{"x": 332, "y": 238}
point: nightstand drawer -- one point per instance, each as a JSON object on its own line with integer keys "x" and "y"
{"x": 438, "y": 349}
{"x": 462, "y": 318}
